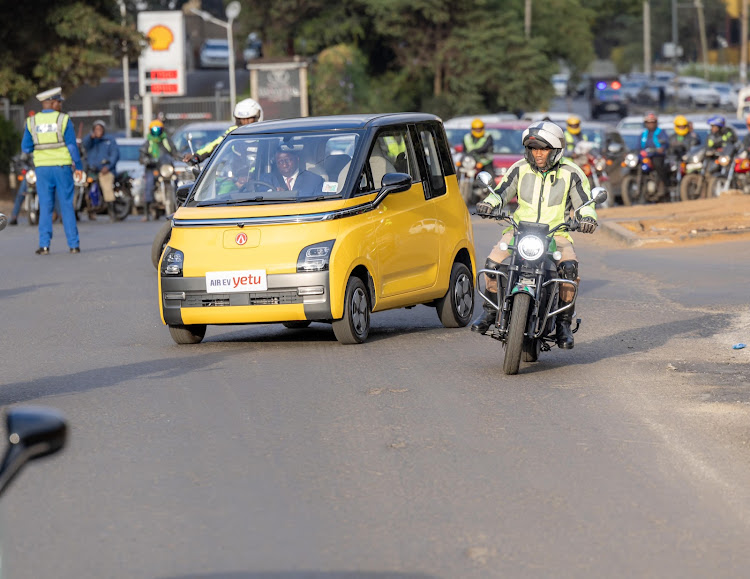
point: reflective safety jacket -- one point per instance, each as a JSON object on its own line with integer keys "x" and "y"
{"x": 571, "y": 141}
{"x": 208, "y": 148}
{"x": 721, "y": 139}
{"x": 396, "y": 146}
{"x": 544, "y": 197}
{"x": 47, "y": 130}
{"x": 155, "y": 148}
{"x": 656, "y": 139}
{"x": 481, "y": 147}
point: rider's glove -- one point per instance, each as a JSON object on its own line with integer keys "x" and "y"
{"x": 587, "y": 225}
{"x": 484, "y": 209}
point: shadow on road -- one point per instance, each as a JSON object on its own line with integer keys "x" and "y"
{"x": 7, "y": 293}
{"x": 306, "y": 575}
{"x": 105, "y": 377}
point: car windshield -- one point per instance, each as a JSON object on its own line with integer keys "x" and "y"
{"x": 270, "y": 169}
{"x": 593, "y": 135}
{"x": 201, "y": 137}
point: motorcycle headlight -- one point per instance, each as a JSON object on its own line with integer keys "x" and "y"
{"x": 600, "y": 164}
{"x": 172, "y": 262}
{"x": 695, "y": 159}
{"x": 315, "y": 257}
{"x": 723, "y": 161}
{"x": 468, "y": 162}
{"x": 166, "y": 171}
{"x": 31, "y": 176}
{"x": 631, "y": 160}
{"x": 531, "y": 247}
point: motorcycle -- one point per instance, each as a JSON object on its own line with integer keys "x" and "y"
{"x": 723, "y": 176}
{"x": 741, "y": 173}
{"x": 468, "y": 168}
{"x": 528, "y": 306}
{"x": 641, "y": 183}
{"x": 591, "y": 162}
{"x": 89, "y": 197}
{"x": 165, "y": 185}
{"x": 706, "y": 168}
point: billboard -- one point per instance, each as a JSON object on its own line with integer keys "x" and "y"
{"x": 161, "y": 66}
{"x": 280, "y": 88}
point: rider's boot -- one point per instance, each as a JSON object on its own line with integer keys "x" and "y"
{"x": 488, "y": 316}
{"x": 111, "y": 210}
{"x": 564, "y": 333}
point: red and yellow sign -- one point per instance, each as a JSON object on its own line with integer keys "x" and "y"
{"x": 160, "y": 37}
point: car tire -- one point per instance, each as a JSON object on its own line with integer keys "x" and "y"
{"x": 354, "y": 326}
{"x": 456, "y": 307}
{"x": 297, "y": 325}
{"x": 193, "y": 334}
{"x": 160, "y": 242}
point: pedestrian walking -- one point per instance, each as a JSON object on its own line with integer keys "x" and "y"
{"x": 49, "y": 135}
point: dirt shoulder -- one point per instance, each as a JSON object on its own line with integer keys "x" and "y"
{"x": 688, "y": 222}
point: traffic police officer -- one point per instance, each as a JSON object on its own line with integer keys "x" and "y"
{"x": 49, "y": 135}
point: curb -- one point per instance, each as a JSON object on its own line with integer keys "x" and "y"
{"x": 620, "y": 233}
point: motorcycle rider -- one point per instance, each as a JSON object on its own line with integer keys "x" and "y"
{"x": 546, "y": 185}
{"x": 721, "y": 135}
{"x": 746, "y": 138}
{"x": 246, "y": 112}
{"x": 573, "y": 135}
{"x": 102, "y": 154}
{"x": 479, "y": 143}
{"x": 683, "y": 138}
{"x": 655, "y": 140}
{"x": 157, "y": 145}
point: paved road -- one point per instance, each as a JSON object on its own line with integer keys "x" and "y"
{"x": 265, "y": 452}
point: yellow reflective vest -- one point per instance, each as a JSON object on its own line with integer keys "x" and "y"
{"x": 47, "y": 131}
{"x": 544, "y": 197}
{"x": 208, "y": 148}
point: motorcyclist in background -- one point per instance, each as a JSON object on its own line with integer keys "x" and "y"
{"x": 547, "y": 185}
{"x": 102, "y": 154}
{"x": 683, "y": 138}
{"x": 746, "y": 138}
{"x": 246, "y": 112}
{"x": 480, "y": 144}
{"x": 655, "y": 141}
{"x": 721, "y": 135}
{"x": 573, "y": 135}
{"x": 157, "y": 146}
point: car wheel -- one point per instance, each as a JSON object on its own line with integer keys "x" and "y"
{"x": 456, "y": 307}
{"x": 354, "y": 327}
{"x": 188, "y": 334}
{"x": 160, "y": 242}
{"x": 297, "y": 325}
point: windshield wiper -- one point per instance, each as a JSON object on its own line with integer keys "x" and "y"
{"x": 258, "y": 199}
{"x": 319, "y": 198}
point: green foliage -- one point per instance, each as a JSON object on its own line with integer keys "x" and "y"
{"x": 9, "y": 140}
{"x": 339, "y": 81}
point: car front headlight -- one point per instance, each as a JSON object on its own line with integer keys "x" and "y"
{"x": 531, "y": 247}
{"x": 31, "y": 176}
{"x": 172, "y": 262}
{"x": 166, "y": 171}
{"x": 315, "y": 257}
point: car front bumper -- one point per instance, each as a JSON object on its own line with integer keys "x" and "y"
{"x": 289, "y": 297}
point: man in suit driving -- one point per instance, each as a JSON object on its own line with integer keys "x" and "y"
{"x": 306, "y": 183}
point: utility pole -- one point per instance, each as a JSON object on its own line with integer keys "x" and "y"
{"x": 125, "y": 73}
{"x": 674, "y": 35}
{"x": 647, "y": 37}
{"x": 743, "y": 43}
{"x": 704, "y": 43}
{"x": 527, "y": 20}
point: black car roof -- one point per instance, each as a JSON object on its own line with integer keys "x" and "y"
{"x": 340, "y": 122}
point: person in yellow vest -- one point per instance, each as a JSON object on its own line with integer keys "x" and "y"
{"x": 573, "y": 135}
{"x": 479, "y": 143}
{"x": 546, "y": 185}
{"x": 246, "y": 112}
{"x": 49, "y": 135}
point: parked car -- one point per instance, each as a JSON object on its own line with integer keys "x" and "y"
{"x": 457, "y": 127}
{"x": 382, "y": 228}
{"x": 694, "y": 91}
{"x": 214, "y": 53}
{"x": 631, "y": 88}
{"x": 727, "y": 93}
{"x": 608, "y": 98}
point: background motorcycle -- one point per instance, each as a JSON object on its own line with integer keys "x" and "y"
{"x": 468, "y": 168}
{"x": 528, "y": 305}
{"x": 641, "y": 183}
{"x": 593, "y": 164}
{"x": 722, "y": 177}
{"x": 165, "y": 185}
{"x": 741, "y": 172}
{"x": 89, "y": 196}
{"x": 695, "y": 184}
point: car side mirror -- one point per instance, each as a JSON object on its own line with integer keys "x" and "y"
{"x": 392, "y": 183}
{"x": 183, "y": 192}
{"x": 33, "y": 432}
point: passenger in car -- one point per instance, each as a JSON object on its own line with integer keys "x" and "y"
{"x": 290, "y": 178}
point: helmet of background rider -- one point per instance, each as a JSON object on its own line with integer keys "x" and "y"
{"x": 156, "y": 128}
{"x": 574, "y": 125}
{"x": 681, "y": 126}
{"x": 247, "y": 109}
{"x": 716, "y": 121}
{"x": 649, "y": 118}
{"x": 477, "y": 128}
{"x": 543, "y": 135}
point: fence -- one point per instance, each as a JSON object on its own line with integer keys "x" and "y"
{"x": 13, "y": 113}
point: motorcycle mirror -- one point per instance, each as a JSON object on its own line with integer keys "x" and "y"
{"x": 33, "y": 432}
{"x": 485, "y": 178}
{"x": 599, "y": 194}
{"x": 3, "y": 221}
{"x": 190, "y": 143}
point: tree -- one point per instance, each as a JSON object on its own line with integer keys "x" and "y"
{"x": 72, "y": 44}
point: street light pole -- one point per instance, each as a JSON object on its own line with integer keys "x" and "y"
{"x": 743, "y": 44}
{"x": 125, "y": 72}
{"x": 232, "y": 11}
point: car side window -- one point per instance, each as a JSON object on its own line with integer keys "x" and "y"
{"x": 392, "y": 152}
{"x": 432, "y": 158}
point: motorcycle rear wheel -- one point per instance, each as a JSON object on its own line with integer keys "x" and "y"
{"x": 691, "y": 189}
{"x": 514, "y": 341}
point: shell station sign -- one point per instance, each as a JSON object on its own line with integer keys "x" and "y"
{"x": 161, "y": 66}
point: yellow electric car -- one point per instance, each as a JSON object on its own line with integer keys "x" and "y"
{"x": 320, "y": 220}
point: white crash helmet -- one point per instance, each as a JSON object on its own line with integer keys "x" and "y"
{"x": 547, "y": 134}
{"x": 248, "y": 108}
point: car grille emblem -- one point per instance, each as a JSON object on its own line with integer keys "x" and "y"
{"x": 241, "y": 239}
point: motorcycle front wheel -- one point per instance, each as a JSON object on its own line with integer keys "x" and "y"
{"x": 33, "y": 207}
{"x": 531, "y": 348}
{"x": 629, "y": 190}
{"x": 123, "y": 207}
{"x": 514, "y": 341}
{"x": 692, "y": 187}
{"x": 716, "y": 186}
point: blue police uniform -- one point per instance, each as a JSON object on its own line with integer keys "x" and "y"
{"x": 54, "y": 180}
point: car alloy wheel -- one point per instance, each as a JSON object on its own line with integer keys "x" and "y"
{"x": 359, "y": 311}
{"x": 463, "y": 295}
